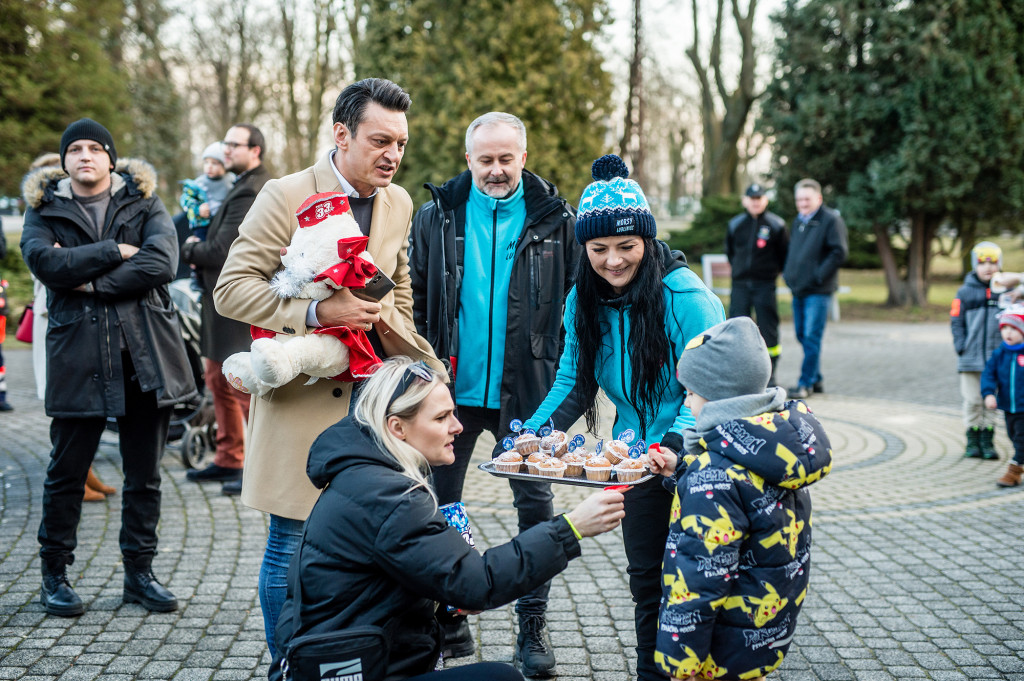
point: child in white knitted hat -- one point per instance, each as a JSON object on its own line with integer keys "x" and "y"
{"x": 201, "y": 198}
{"x": 737, "y": 559}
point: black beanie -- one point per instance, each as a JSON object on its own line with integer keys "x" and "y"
{"x": 87, "y": 129}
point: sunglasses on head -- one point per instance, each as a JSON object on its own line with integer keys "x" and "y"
{"x": 417, "y": 370}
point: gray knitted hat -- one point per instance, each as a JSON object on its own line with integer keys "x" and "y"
{"x": 216, "y": 152}
{"x": 728, "y": 360}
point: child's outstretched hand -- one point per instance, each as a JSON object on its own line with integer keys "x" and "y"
{"x": 990, "y": 401}
{"x": 663, "y": 460}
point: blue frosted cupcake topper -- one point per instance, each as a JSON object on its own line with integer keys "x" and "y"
{"x": 635, "y": 451}
{"x": 508, "y": 443}
{"x": 516, "y": 426}
{"x": 626, "y": 436}
{"x": 576, "y": 442}
{"x": 599, "y": 447}
{"x": 544, "y": 431}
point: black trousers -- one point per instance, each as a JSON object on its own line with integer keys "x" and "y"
{"x": 533, "y": 500}
{"x": 644, "y": 531}
{"x": 143, "y": 433}
{"x": 1015, "y": 429}
{"x": 760, "y": 296}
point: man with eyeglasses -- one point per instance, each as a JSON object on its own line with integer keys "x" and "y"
{"x": 370, "y": 133}
{"x": 221, "y": 337}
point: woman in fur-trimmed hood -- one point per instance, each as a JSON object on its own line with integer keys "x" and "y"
{"x": 95, "y": 297}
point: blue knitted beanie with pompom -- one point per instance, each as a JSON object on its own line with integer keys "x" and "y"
{"x": 613, "y": 205}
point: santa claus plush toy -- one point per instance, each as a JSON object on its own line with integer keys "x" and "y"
{"x": 327, "y": 252}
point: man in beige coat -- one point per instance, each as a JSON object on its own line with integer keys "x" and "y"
{"x": 370, "y": 134}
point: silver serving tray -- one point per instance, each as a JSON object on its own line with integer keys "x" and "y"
{"x": 488, "y": 467}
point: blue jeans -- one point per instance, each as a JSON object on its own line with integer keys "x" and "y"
{"x": 809, "y": 316}
{"x": 282, "y": 543}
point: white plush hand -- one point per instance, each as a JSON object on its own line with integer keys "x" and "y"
{"x": 238, "y": 370}
{"x": 317, "y": 355}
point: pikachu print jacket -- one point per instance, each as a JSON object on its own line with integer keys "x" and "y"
{"x": 737, "y": 558}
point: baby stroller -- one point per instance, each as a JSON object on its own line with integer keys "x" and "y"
{"x": 193, "y": 424}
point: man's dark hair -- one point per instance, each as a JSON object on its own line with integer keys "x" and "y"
{"x": 350, "y": 108}
{"x": 256, "y": 138}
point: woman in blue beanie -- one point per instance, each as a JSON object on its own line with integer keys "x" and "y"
{"x": 634, "y": 308}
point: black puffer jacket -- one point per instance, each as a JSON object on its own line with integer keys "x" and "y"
{"x": 545, "y": 260}
{"x": 84, "y": 370}
{"x": 377, "y": 553}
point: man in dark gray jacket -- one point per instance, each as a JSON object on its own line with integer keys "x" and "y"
{"x": 817, "y": 247}
{"x": 98, "y": 237}
{"x": 491, "y": 260}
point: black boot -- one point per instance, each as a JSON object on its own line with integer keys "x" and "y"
{"x": 973, "y": 450}
{"x": 534, "y": 656}
{"x": 988, "y": 447}
{"x": 141, "y": 586}
{"x": 458, "y": 638}
{"x": 57, "y": 596}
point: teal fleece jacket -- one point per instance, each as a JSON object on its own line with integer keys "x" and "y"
{"x": 690, "y": 308}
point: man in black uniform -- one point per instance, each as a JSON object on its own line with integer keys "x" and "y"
{"x": 756, "y": 246}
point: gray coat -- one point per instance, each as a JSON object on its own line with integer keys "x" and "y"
{"x": 129, "y": 297}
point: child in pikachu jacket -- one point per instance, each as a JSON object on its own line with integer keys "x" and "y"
{"x": 737, "y": 559}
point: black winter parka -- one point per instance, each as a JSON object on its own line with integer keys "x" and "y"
{"x": 545, "y": 261}
{"x": 376, "y": 552}
{"x": 83, "y": 346}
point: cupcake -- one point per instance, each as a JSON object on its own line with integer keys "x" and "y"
{"x": 508, "y": 462}
{"x": 629, "y": 470}
{"x": 574, "y": 461}
{"x": 615, "y": 451}
{"x": 598, "y": 469}
{"x": 534, "y": 459}
{"x": 551, "y": 468}
{"x": 557, "y": 441}
{"x": 527, "y": 444}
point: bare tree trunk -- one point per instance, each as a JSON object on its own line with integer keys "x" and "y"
{"x": 897, "y": 288}
{"x": 631, "y": 146}
{"x": 722, "y": 132}
{"x": 922, "y": 230}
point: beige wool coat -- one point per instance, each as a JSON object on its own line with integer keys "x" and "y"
{"x": 284, "y": 423}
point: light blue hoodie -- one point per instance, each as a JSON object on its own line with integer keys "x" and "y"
{"x": 690, "y": 308}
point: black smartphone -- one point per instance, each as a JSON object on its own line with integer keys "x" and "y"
{"x": 376, "y": 287}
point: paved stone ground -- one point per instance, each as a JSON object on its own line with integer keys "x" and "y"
{"x": 916, "y": 562}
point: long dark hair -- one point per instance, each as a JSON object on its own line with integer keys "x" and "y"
{"x": 648, "y": 343}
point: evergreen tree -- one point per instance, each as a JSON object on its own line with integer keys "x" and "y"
{"x": 907, "y": 111}
{"x": 55, "y": 67}
{"x": 535, "y": 59}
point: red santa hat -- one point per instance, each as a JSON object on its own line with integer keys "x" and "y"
{"x": 319, "y": 207}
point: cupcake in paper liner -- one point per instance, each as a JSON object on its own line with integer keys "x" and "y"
{"x": 534, "y": 459}
{"x": 508, "y": 462}
{"x": 574, "y": 461}
{"x": 551, "y": 467}
{"x": 615, "y": 451}
{"x": 598, "y": 469}
{"x": 629, "y": 470}
{"x": 557, "y": 441}
{"x": 527, "y": 444}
